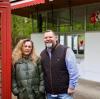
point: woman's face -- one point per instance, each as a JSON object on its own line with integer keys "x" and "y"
{"x": 27, "y": 48}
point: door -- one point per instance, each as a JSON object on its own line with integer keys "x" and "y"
{"x": 5, "y": 51}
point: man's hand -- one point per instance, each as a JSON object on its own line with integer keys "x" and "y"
{"x": 71, "y": 91}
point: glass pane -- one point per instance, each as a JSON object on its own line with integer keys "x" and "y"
{"x": 62, "y": 39}
{"x": 0, "y": 26}
{"x": 69, "y": 41}
{"x": 0, "y": 49}
{"x": 93, "y": 17}
{"x": 0, "y": 76}
{"x": 0, "y": 93}
{"x": 0, "y": 61}
{"x": 75, "y": 43}
{"x": 75, "y": 46}
{"x": 78, "y": 18}
{"x": 0, "y": 82}
{"x": 0, "y": 35}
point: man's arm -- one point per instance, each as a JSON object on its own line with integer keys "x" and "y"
{"x": 72, "y": 69}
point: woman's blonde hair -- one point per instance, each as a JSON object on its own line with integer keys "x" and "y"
{"x": 17, "y": 52}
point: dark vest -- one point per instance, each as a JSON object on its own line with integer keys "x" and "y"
{"x": 55, "y": 72}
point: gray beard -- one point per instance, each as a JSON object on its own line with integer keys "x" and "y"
{"x": 49, "y": 45}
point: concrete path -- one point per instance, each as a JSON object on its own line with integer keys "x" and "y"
{"x": 87, "y": 90}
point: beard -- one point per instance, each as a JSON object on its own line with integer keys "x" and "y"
{"x": 49, "y": 45}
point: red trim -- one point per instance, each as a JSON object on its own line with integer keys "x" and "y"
{"x": 6, "y": 50}
{"x": 18, "y": 4}
{"x": 4, "y": 0}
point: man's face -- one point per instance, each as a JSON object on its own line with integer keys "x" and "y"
{"x": 50, "y": 39}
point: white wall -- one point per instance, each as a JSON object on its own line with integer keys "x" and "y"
{"x": 37, "y": 38}
{"x": 90, "y": 67}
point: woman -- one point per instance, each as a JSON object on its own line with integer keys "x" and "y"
{"x": 27, "y": 76}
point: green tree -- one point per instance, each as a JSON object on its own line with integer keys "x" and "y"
{"x": 21, "y": 28}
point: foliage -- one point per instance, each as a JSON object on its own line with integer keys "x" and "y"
{"x": 21, "y": 28}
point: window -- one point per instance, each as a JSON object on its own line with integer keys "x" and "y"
{"x": 75, "y": 41}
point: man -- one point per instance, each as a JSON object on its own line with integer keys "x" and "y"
{"x": 59, "y": 66}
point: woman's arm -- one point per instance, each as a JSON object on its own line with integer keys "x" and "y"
{"x": 14, "y": 82}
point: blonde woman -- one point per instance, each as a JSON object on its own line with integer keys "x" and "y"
{"x": 27, "y": 76}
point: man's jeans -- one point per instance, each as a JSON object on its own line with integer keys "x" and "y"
{"x": 59, "y": 96}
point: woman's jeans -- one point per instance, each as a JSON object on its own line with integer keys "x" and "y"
{"x": 59, "y": 96}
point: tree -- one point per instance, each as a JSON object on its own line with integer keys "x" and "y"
{"x": 21, "y": 28}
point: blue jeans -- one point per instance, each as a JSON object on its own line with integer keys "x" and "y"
{"x": 59, "y": 96}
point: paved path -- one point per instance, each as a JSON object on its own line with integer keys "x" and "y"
{"x": 87, "y": 90}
